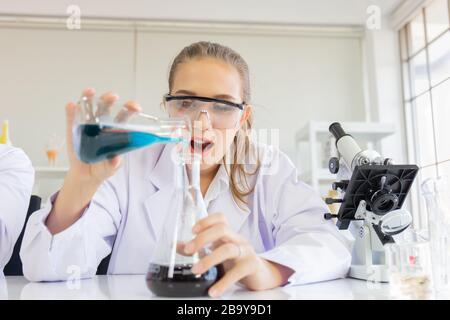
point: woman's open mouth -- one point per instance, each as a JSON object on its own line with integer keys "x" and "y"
{"x": 201, "y": 146}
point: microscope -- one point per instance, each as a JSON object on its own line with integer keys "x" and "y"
{"x": 371, "y": 191}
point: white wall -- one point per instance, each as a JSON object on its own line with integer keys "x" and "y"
{"x": 305, "y": 12}
{"x": 384, "y": 87}
{"x": 43, "y": 69}
{"x": 295, "y": 77}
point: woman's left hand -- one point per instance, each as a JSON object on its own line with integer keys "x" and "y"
{"x": 240, "y": 261}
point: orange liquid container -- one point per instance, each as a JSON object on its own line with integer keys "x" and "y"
{"x": 51, "y": 156}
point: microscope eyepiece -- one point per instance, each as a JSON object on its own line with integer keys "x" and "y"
{"x": 345, "y": 144}
{"x": 336, "y": 130}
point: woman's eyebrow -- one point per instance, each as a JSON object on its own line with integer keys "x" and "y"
{"x": 225, "y": 97}
{"x": 185, "y": 92}
{"x": 218, "y": 96}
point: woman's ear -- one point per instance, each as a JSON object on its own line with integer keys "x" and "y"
{"x": 247, "y": 113}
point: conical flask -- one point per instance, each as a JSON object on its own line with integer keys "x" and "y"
{"x": 103, "y": 131}
{"x": 169, "y": 273}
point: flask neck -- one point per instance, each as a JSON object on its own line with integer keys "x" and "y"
{"x": 195, "y": 174}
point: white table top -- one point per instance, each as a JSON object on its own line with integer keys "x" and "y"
{"x": 134, "y": 287}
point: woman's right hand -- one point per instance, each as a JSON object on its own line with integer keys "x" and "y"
{"x": 82, "y": 180}
{"x": 84, "y": 173}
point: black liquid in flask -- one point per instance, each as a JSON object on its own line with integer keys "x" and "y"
{"x": 183, "y": 283}
{"x": 169, "y": 273}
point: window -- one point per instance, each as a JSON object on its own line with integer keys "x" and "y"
{"x": 425, "y": 55}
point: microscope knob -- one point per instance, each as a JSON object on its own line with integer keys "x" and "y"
{"x": 329, "y": 216}
{"x": 331, "y": 200}
{"x": 340, "y": 185}
{"x": 333, "y": 165}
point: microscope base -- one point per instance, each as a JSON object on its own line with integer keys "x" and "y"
{"x": 374, "y": 273}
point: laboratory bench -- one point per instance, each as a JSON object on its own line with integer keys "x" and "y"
{"x": 125, "y": 287}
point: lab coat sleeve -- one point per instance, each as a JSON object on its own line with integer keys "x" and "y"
{"x": 76, "y": 251}
{"x": 303, "y": 240}
{"x": 16, "y": 183}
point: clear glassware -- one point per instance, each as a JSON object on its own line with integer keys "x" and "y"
{"x": 437, "y": 198}
{"x": 102, "y": 131}
{"x": 410, "y": 269}
{"x": 54, "y": 145}
{"x": 169, "y": 273}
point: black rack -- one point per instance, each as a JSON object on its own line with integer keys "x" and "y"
{"x": 366, "y": 180}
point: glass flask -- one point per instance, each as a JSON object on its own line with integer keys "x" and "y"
{"x": 437, "y": 198}
{"x": 102, "y": 131}
{"x": 169, "y": 273}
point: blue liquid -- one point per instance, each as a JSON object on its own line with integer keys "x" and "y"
{"x": 97, "y": 142}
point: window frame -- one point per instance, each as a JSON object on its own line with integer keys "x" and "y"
{"x": 410, "y": 98}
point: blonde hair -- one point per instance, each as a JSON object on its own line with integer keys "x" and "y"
{"x": 242, "y": 146}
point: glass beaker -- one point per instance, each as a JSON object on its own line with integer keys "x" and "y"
{"x": 437, "y": 198}
{"x": 102, "y": 131}
{"x": 54, "y": 145}
{"x": 169, "y": 273}
{"x": 409, "y": 263}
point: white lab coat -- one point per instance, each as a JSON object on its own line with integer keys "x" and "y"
{"x": 284, "y": 222}
{"x": 16, "y": 183}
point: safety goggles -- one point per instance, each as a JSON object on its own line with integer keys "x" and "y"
{"x": 222, "y": 114}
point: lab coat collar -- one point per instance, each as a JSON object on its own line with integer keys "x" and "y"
{"x": 218, "y": 185}
{"x": 163, "y": 173}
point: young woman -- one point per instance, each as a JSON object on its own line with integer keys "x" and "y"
{"x": 266, "y": 227}
{"x": 16, "y": 183}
